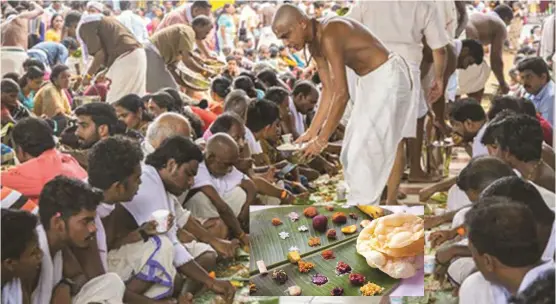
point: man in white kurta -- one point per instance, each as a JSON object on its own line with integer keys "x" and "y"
{"x": 401, "y": 26}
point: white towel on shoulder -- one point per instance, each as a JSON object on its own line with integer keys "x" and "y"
{"x": 51, "y": 271}
{"x": 11, "y": 292}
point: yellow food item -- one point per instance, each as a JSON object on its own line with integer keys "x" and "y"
{"x": 372, "y": 211}
{"x": 305, "y": 266}
{"x": 314, "y": 241}
{"x": 370, "y": 289}
{"x": 349, "y": 229}
{"x": 237, "y": 284}
{"x": 293, "y": 257}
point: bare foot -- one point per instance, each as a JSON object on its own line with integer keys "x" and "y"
{"x": 422, "y": 177}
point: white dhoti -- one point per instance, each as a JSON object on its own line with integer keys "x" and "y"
{"x": 202, "y": 209}
{"x": 476, "y": 289}
{"x": 450, "y": 91}
{"x": 128, "y": 75}
{"x": 461, "y": 269}
{"x": 150, "y": 261}
{"x": 383, "y": 114}
{"x": 106, "y": 289}
{"x": 11, "y": 59}
{"x": 473, "y": 79}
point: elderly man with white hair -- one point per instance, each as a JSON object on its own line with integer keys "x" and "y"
{"x": 164, "y": 126}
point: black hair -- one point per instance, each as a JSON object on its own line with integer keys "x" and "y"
{"x": 73, "y": 17}
{"x": 269, "y": 77}
{"x": 256, "y": 81}
{"x": 527, "y": 107}
{"x": 124, "y": 5}
{"x": 541, "y": 291}
{"x": 537, "y": 65}
{"x": 66, "y": 196}
{"x": 248, "y": 52}
{"x": 165, "y": 101}
{"x": 475, "y": 49}
{"x": 318, "y": 4}
{"x": 32, "y": 73}
{"x": 261, "y": 114}
{"x": 201, "y": 21}
{"x": 273, "y": 51}
{"x": 225, "y": 122}
{"x": 8, "y": 86}
{"x": 523, "y": 192}
{"x": 70, "y": 43}
{"x": 12, "y": 75}
{"x": 57, "y": 70}
{"x": 278, "y": 95}
{"x": 33, "y": 135}
{"x": 18, "y": 230}
{"x": 246, "y": 84}
{"x": 504, "y": 229}
{"x": 179, "y": 148}
{"x": 304, "y": 87}
{"x": 467, "y": 108}
{"x": 133, "y": 103}
{"x": 481, "y": 171}
{"x": 504, "y": 11}
{"x": 29, "y": 62}
{"x": 201, "y": 4}
{"x": 178, "y": 102}
{"x": 534, "y": 28}
{"x": 231, "y": 58}
{"x": 500, "y": 103}
{"x": 519, "y": 134}
{"x": 221, "y": 86}
{"x": 101, "y": 114}
{"x": 526, "y": 50}
{"x": 195, "y": 122}
{"x": 113, "y": 160}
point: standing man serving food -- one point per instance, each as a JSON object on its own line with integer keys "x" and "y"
{"x": 382, "y": 103}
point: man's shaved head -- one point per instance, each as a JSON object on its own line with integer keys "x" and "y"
{"x": 221, "y": 154}
{"x": 290, "y": 24}
{"x": 165, "y": 126}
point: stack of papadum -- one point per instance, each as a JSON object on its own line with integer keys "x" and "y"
{"x": 394, "y": 244}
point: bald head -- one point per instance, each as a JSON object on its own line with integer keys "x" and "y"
{"x": 287, "y": 15}
{"x": 165, "y": 126}
{"x": 222, "y": 144}
{"x": 292, "y": 26}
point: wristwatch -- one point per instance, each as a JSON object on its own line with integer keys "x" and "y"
{"x": 70, "y": 283}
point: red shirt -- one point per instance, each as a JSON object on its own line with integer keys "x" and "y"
{"x": 206, "y": 116}
{"x": 546, "y": 129}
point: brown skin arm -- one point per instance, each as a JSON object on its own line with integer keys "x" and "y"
{"x": 191, "y": 62}
{"x": 451, "y": 63}
{"x": 224, "y": 210}
{"x": 496, "y": 49}
{"x": 32, "y": 14}
{"x": 462, "y": 17}
{"x": 325, "y": 97}
{"x": 98, "y": 61}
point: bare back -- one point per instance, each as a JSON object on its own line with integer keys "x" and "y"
{"x": 485, "y": 27}
{"x": 360, "y": 49}
{"x": 14, "y": 33}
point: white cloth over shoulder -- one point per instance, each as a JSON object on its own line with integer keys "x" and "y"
{"x": 51, "y": 271}
{"x": 380, "y": 118}
{"x": 473, "y": 79}
{"x": 222, "y": 185}
{"x": 152, "y": 196}
{"x": 128, "y": 75}
{"x": 12, "y": 293}
{"x": 105, "y": 289}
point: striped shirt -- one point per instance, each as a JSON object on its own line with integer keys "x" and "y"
{"x": 12, "y": 199}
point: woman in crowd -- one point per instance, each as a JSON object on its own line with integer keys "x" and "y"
{"x": 30, "y": 83}
{"x": 226, "y": 27}
{"x": 52, "y": 99}
{"x": 219, "y": 89}
{"x": 131, "y": 110}
{"x": 54, "y": 33}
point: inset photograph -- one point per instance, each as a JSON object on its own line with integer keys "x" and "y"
{"x": 337, "y": 250}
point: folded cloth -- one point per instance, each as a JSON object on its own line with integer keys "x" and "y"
{"x": 383, "y": 114}
{"x": 11, "y": 292}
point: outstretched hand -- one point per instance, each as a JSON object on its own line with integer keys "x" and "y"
{"x": 436, "y": 91}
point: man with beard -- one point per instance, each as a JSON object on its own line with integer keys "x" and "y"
{"x": 15, "y": 31}
{"x": 39, "y": 159}
{"x": 95, "y": 121}
{"x": 168, "y": 172}
{"x": 67, "y": 212}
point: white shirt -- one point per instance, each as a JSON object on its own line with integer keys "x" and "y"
{"x": 222, "y": 185}
{"x": 298, "y": 117}
{"x": 135, "y": 24}
{"x": 401, "y": 25}
{"x": 547, "y": 37}
{"x": 152, "y": 196}
{"x": 478, "y": 148}
{"x": 252, "y": 142}
{"x": 501, "y": 295}
{"x": 448, "y": 15}
{"x": 248, "y": 17}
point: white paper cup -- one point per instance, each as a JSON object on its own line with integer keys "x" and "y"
{"x": 287, "y": 138}
{"x": 430, "y": 261}
{"x": 161, "y": 218}
{"x": 439, "y": 211}
{"x": 427, "y": 241}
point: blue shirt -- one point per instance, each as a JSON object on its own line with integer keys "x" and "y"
{"x": 55, "y": 52}
{"x": 544, "y": 101}
{"x": 28, "y": 102}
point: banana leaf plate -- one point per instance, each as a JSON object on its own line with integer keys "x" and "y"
{"x": 344, "y": 252}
